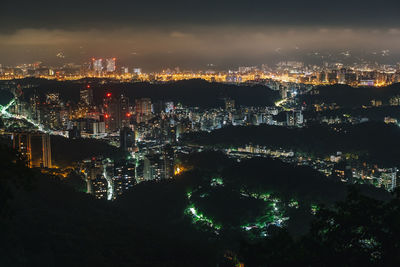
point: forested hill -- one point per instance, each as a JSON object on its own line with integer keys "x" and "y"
{"x": 194, "y": 92}
{"x": 349, "y": 97}
{"x": 372, "y": 142}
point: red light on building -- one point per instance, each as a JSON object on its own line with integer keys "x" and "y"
{"x": 88, "y": 86}
{"x": 128, "y": 114}
{"x": 106, "y": 116}
{"x": 108, "y": 94}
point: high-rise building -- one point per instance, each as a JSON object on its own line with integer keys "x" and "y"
{"x": 97, "y": 65}
{"x": 142, "y": 109}
{"x": 127, "y": 139}
{"x": 168, "y": 162}
{"x": 86, "y": 95}
{"x": 116, "y": 112}
{"x": 124, "y": 112}
{"x": 111, "y": 64}
{"x": 143, "y": 106}
{"x": 294, "y": 118}
{"x": 35, "y": 147}
{"x": 137, "y": 71}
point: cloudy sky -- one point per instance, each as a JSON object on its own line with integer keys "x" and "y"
{"x": 191, "y": 34}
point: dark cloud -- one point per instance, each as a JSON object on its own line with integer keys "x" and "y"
{"x": 157, "y": 34}
{"x": 75, "y": 14}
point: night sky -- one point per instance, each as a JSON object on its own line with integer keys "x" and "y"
{"x": 158, "y": 34}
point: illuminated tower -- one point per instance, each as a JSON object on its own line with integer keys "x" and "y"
{"x": 97, "y": 65}
{"x": 107, "y": 108}
{"x": 86, "y": 95}
{"x": 46, "y": 151}
{"x": 36, "y": 147}
{"x": 22, "y": 143}
{"x": 111, "y": 64}
{"x": 116, "y": 112}
{"x": 125, "y": 113}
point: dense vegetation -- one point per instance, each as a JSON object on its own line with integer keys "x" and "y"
{"x": 371, "y": 142}
{"x": 349, "y": 97}
{"x": 196, "y": 93}
{"x": 45, "y": 222}
{"x": 66, "y": 152}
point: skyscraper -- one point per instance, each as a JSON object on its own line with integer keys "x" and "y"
{"x": 142, "y": 109}
{"x": 111, "y": 64}
{"x": 116, "y": 112}
{"x": 143, "y": 106}
{"x": 97, "y": 65}
{"x": 36, "y": 147}
{"x": 86, "y": 95}
{"x": 127, "y": 139}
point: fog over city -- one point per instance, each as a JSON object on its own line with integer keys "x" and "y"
{"x": 193, "y": 35}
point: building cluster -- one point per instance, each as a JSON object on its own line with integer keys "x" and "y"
{"x": 286, "y": 71}
{"x": 107, "y": 179}
{"x": 149, "y": 130}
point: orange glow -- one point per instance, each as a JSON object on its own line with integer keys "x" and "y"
{"x": 178, "y": 170}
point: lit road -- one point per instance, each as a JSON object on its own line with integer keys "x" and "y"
{"x": 4, "y": 113}
{"x": 110, "y": 185}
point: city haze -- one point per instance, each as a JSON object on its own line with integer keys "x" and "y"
{"x": 195, "y": 35}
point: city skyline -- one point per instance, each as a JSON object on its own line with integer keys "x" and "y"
{"x": 200, "y": 133}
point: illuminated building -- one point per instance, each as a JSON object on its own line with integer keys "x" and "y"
{"x": 34, "y": 106}
{"x": 168, "y": 162}
{"x": 376, "y": 103}
{"x": 152, "y": 167}
{"x": 388, "y": 179}
{"x": 35, "y": 147}
{"x": 53, "y": 98}
{"x": 124, "y": 178}
{"x": 99, "y": 187}
{"x": 169, "y": 107}
{"x": 367, "y": 82}
{"x": 123, "y": 112}
{"x": 111, "y": 64}
{"x": 143, "y": 106}
{"x": 98, "y": 127}
{"x": 142, "y": 109}
{"x": 137, "y": 71}
{"x": 116, "y": 112}
{"x": 86, "y": 95}
{"x": 127, "y": 139}
{"x": 158, "y": 166}
{"x": 54, "y": 118}
{"x": 294, "y": 118}
{"x": 97, "y": 65}
{"x": 107, "y": 106}
{"x": 124, "y": 70}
